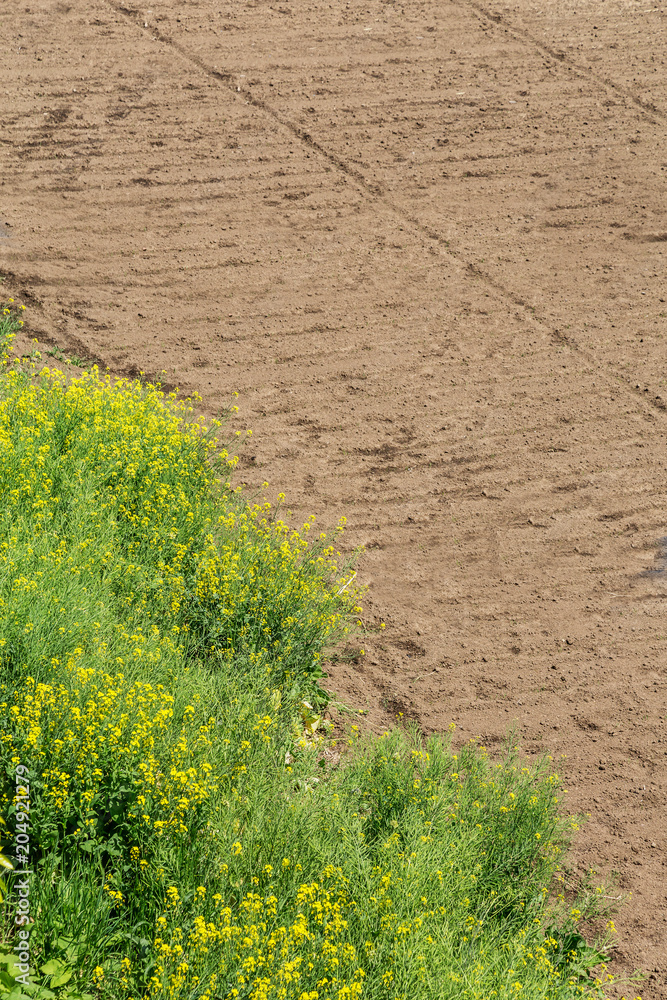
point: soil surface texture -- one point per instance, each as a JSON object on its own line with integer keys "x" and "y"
{"x": 426, "y": 243}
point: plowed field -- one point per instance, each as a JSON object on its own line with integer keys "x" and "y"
{"x": 426, "y": 243}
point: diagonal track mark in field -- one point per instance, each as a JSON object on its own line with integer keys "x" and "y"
{"x": 561, "y": 58}
{"x": 376, "y": 191}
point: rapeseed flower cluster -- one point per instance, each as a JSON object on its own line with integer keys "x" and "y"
{"x": 107, "y": 755}
{"x": 256, "y": 954}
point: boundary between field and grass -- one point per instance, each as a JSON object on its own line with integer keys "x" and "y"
{"x": 177, "y": 818}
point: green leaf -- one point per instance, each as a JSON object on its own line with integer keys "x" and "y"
{"x": 52, "y": 967}
{"x": 59, "y": 972}
{"x": 63, "y": 978}
{"x": 12, "y": 963}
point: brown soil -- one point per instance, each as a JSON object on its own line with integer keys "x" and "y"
{"x": 426, "y": 242}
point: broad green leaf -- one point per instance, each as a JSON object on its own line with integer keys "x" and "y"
{"x": 13, "y": 963}
{"x": 63, "y": 978}
{"x": 52, "y": 967}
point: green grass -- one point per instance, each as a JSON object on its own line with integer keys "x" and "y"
{"x": 161, "y": 643}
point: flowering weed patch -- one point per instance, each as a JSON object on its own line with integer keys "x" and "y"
{"x": 111, "y": 511}
{"x": 186, "y": 836}
{"x": 413, "y": 871}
